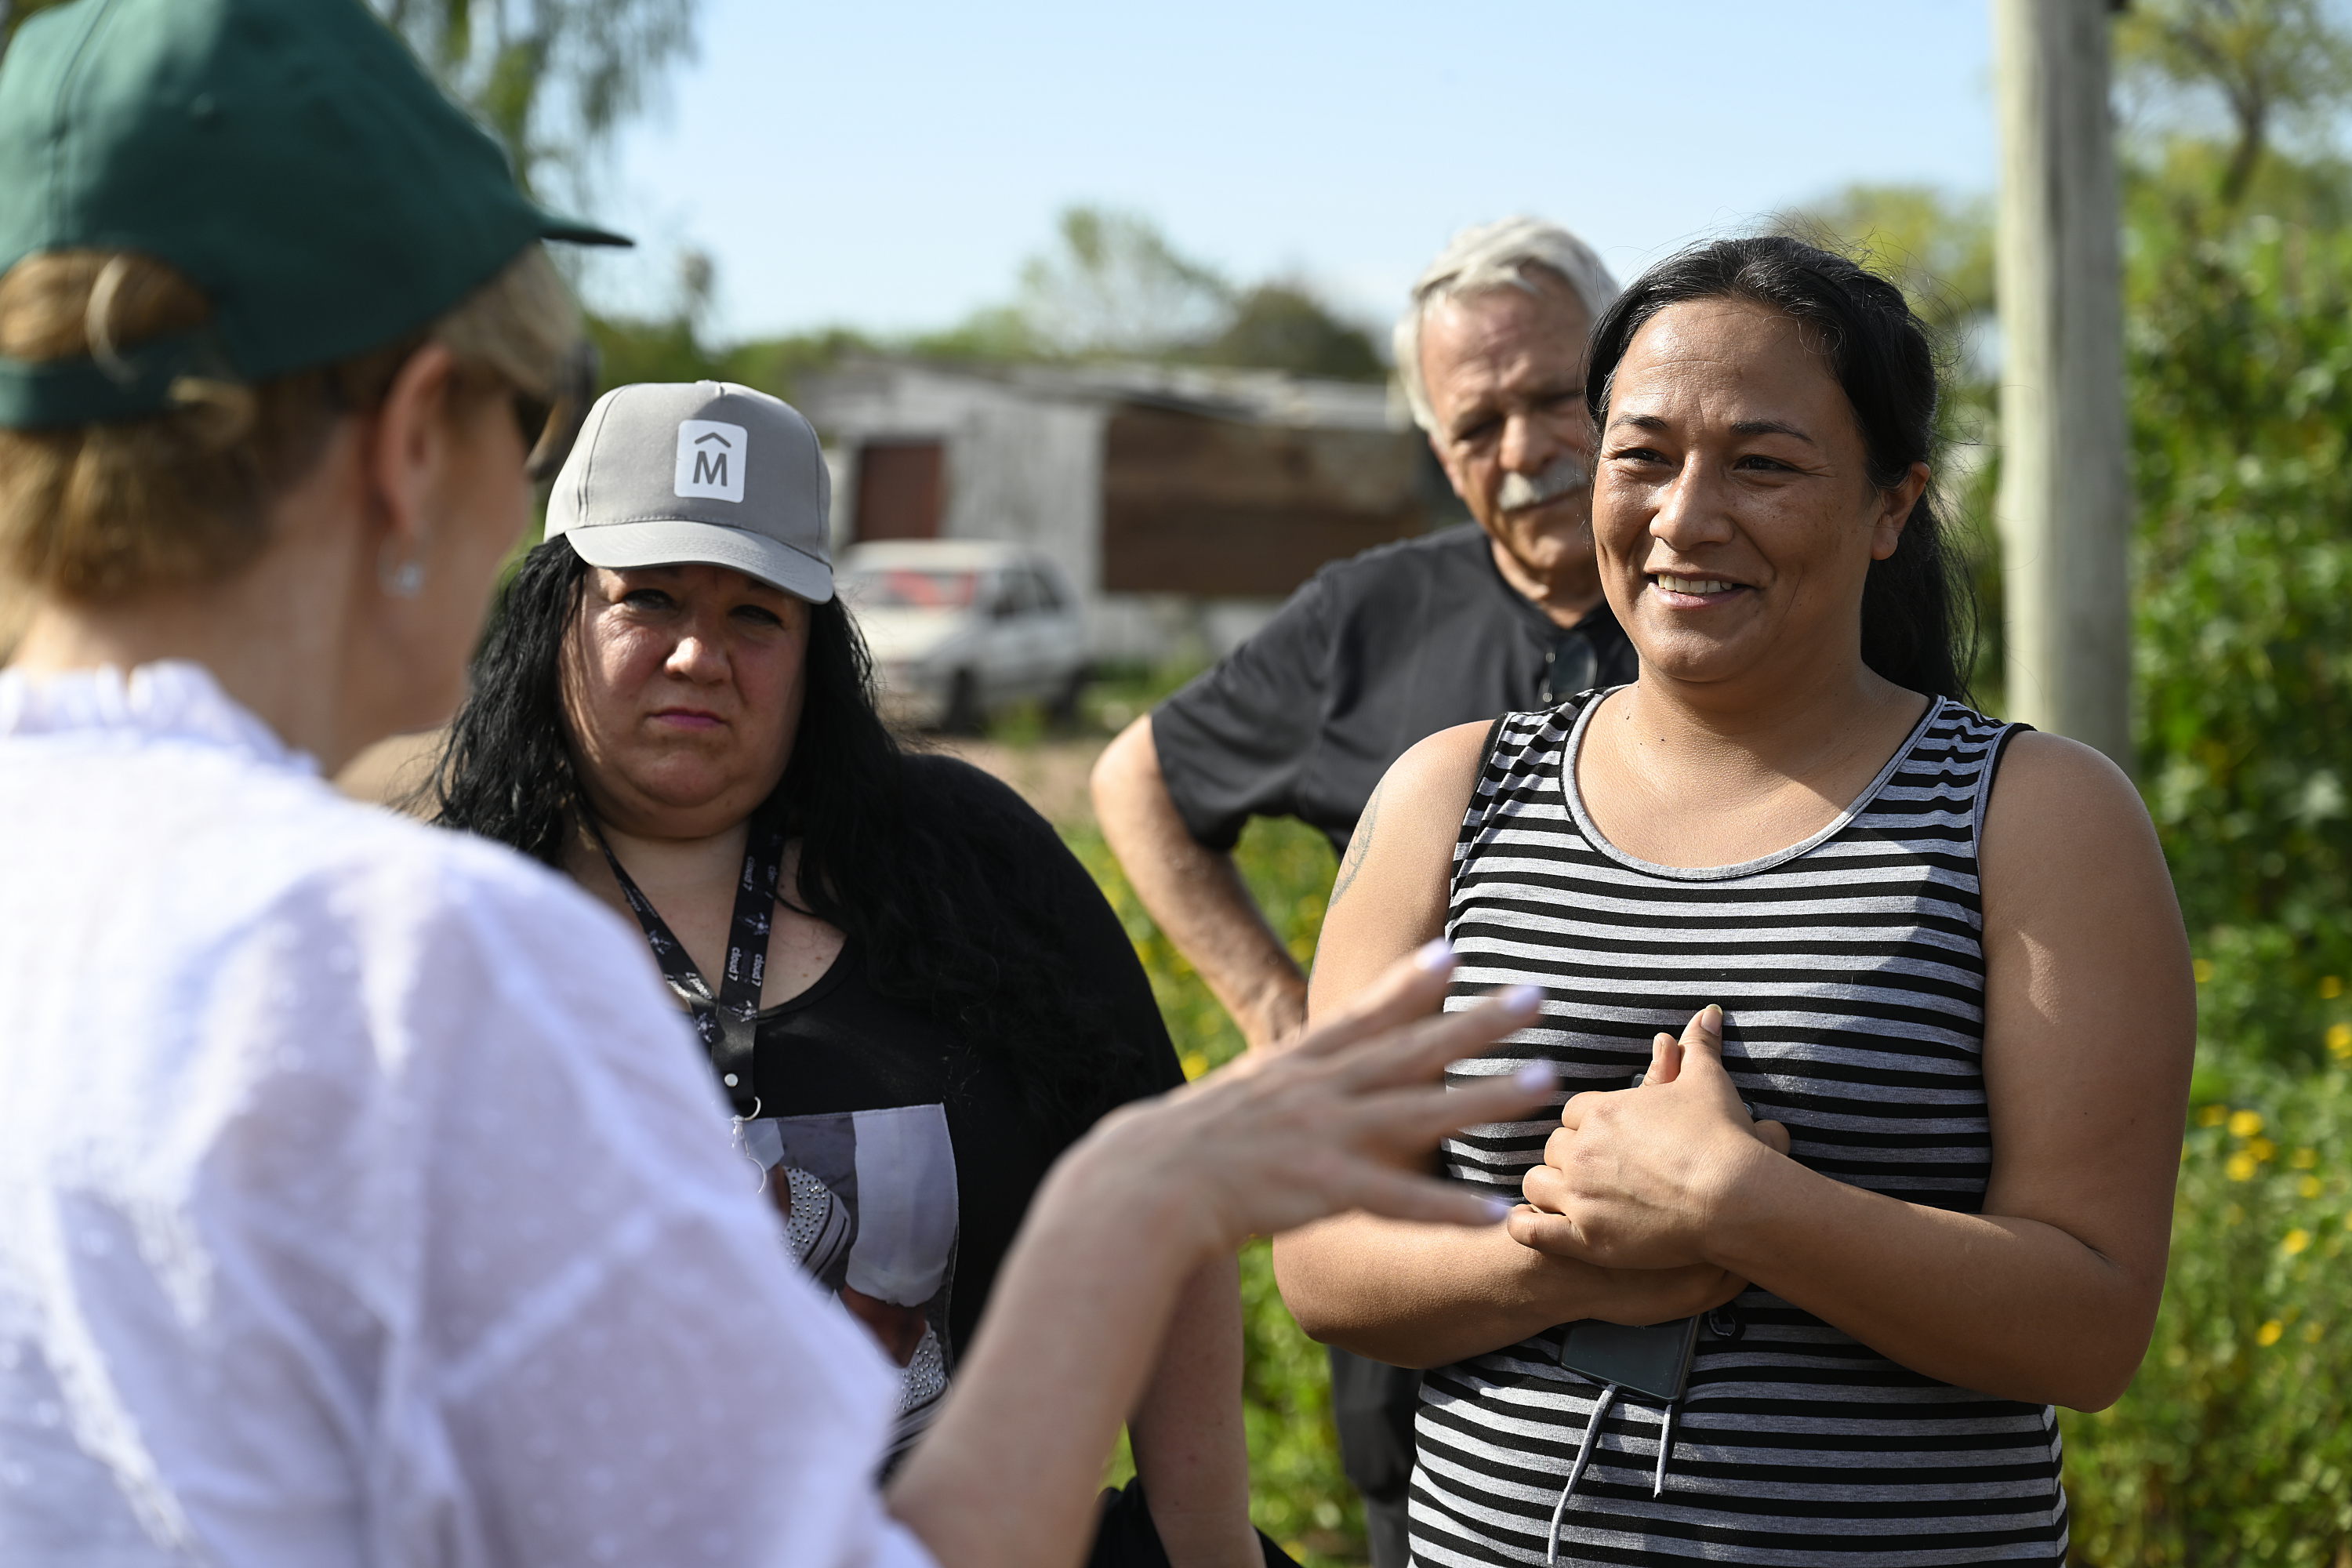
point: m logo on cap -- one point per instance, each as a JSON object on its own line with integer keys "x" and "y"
{"x": 710, "y": 458}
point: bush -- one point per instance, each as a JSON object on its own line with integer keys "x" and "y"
{"x": 2240, "y": 359}
{"x": 2235, "y": 1444}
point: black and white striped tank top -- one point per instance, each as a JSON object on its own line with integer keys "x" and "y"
{"x": 1850, "y": 970}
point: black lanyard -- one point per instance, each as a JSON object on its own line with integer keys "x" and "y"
{"x": 726, "y": 1021}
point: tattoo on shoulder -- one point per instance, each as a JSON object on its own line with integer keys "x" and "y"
{"x": 1360, "y": 845}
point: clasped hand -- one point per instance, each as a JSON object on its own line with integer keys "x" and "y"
{"x": 1637, "y": 1178}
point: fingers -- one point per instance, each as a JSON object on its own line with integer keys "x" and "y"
{"x": 1546, "y": 1189}
{"x": 1774, "y": 1134}
{"x": 1402, "y": 1196}
{"x": 1555, "y": 1236}
{"x": 1418, "y": 1053}
{"x": 1408, "y": 1122}
{"x": 1409, "y": 989}
{"x": 1704, "y": 1034}
{"x": 1580, "y": 1105}
{"x": 1665, "y": 1059}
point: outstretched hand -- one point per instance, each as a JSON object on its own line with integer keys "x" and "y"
{"x": 1344, "y": 1119}
{"x": 1636, "y": 1178}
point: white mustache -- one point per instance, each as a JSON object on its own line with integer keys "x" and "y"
{"x": 1565, "y": 476}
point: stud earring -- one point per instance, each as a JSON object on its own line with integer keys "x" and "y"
{"x": 404, "y": 581}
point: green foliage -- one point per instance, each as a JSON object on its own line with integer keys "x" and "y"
{"x": 2240, "y": 360}
{"x": 998, "y": 335}
{"x": 673, "y": 350}
{"x": 1297, "y": 1493}
{"x": 1282, "y": 326}
{"x": 2235, "y": 1444}
{"x": 552, "y": 78}
{"x": 776, "y": 364}
{"x": 1938, "y": 246}
{"x": 1118, "y": 693}
{"x": 1113, "y": 286}
{"x": 2261, "y": 67}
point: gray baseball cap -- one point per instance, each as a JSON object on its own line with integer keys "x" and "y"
{"x": 670, "y": 473}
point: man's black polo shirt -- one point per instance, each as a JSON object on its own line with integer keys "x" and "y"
{"x": 1374, "y": 654}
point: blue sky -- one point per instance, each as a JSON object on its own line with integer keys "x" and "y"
{"x": 889, "y": 165}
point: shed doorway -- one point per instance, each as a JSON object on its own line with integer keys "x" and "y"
{"x": 901, "y": 490}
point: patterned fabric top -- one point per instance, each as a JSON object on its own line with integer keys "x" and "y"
{"x": 1851, "y": 970}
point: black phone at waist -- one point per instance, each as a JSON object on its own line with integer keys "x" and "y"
{"x": 1654, "y": 1360}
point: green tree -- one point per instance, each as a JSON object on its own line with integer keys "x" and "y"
{"x": 675, "y": 346}
{"x": 2240, "y": 359}
{"x": 552, "y": 78}
{"x": 2239, "y": 347}
{"x": 1284, "y": 326}
{"x": 1936, "y": 244}
{"x": 1113, "y": 285}
{"x": 2266, "y": 65}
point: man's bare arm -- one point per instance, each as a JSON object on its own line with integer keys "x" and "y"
{"x": 1196, "y": 893}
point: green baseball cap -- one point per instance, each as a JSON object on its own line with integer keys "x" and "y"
{"x": 290, "y": 157}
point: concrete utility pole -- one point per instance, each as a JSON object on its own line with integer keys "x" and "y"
{"x": 2065, "y": 481}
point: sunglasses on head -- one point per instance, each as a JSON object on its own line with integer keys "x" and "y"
{"x": 550, "y": 425}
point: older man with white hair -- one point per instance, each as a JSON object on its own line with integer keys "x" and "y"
{"x": 1376, "y": 653}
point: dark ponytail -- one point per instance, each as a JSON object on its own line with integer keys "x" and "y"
{"x": 1919, "y": 619}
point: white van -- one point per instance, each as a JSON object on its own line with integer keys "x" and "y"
{"x": 961, "y": 628}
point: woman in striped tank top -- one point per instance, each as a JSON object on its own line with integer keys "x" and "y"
{"x": 1873, "y": 1014}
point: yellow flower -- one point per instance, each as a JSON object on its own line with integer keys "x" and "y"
{"x": 1195, "y": 1064}
{"x": 2262, "y": 1149}
{"x": 2296, "y": 1240}
{"x": 2331, "y": 988}
{"x": 2304, "y": 1159}
{"x": 2213, "y": 1116}
{"x": 2240, "y": 1167}
{"x": 2202, "y": 969}
{"x": 2245, "y": 1123}
{"x": 2339, "y": 1041}
{"x": 2310, "y": 1187}
{"x": 2268, "y": 1335}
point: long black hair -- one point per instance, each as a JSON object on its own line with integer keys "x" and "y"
{"x": 1918, "y": 617}
{"x": 949, "y": 911}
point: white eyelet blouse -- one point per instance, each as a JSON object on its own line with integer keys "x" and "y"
{"x": 362, "y": 1199}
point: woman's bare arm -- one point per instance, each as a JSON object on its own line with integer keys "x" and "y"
{"x": 1006, "y": 1475}
{"x": 2048, "y": 1295}
{"x": 1420, "y": 1295}
{"x": 1191, "y": 1452}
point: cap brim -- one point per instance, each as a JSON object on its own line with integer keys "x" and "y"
{"x": 555, "y": 226}
{"x": 675, "y": 542}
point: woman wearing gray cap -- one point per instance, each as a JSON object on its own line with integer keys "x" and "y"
{"x": 911, "y": 991}
{"x": 361, "y": 1199}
